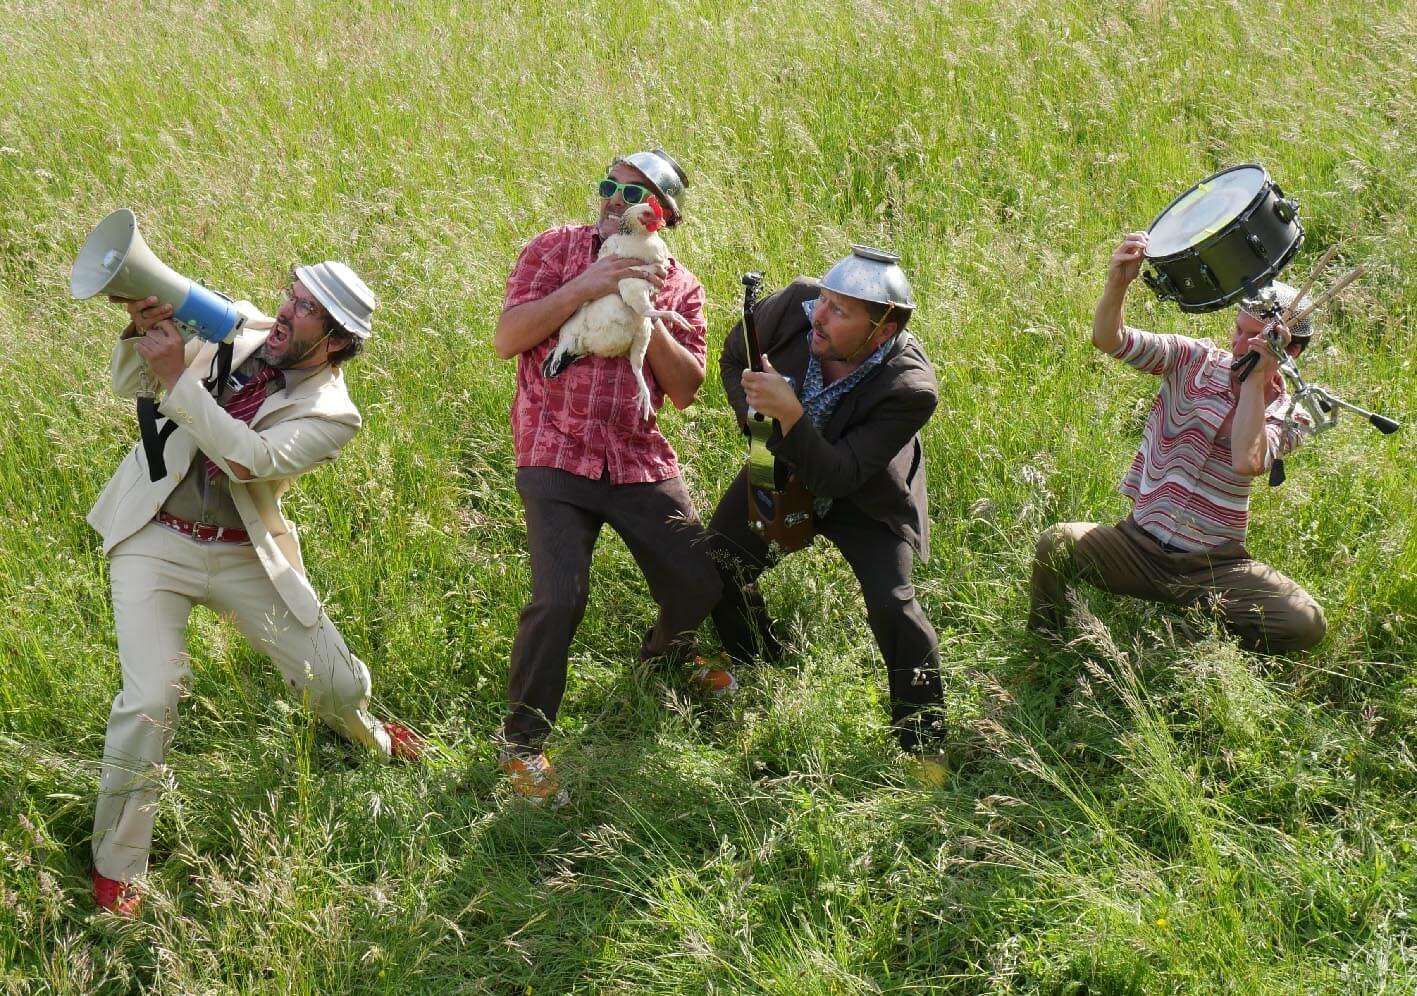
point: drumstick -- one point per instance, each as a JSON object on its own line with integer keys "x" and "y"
{"x": 1309, "y": 285}
{"x": 1328, "y": 295}
{"x": 1244, "y": 365}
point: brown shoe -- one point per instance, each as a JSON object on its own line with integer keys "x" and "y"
{"x": 931, "y": 770}
{"x": 534, "y": 779}
{"x": 404, "y": 744}
{"x": 119, "y": 898}
{"x": 711, "y": 681}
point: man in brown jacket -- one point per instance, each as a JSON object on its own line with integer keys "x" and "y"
{"x": 847, "y": 420}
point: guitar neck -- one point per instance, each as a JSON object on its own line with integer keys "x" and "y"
{"x": 751, "y": 283}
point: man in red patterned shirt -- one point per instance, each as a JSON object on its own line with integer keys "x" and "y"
{"x": 586, "y": 456}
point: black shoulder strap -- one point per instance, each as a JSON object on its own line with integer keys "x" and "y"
{"x": 154, "y": 439}
{"x": 222, "y": 363}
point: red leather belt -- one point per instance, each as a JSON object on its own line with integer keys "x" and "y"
{"x": 203, "y": 532}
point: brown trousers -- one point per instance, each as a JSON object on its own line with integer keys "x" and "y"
{"x": 564, "y": 513}
{"x": 1266, "y": 610}
{"x": 882, "y": 563}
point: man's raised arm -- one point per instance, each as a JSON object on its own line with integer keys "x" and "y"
{"x": 1121, "y": 271}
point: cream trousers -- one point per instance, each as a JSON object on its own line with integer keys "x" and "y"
{"x": 157, "y": 575}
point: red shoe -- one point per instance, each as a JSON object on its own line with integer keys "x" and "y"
{"x": 404, "y": 744}
{"x": 120, "y": 898}
{"x": 710, "y": 681}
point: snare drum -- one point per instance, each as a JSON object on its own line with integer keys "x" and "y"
{"x": 1222, "y": 240}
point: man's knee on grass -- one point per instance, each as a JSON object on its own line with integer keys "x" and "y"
{"x": 1299, "y": 628}
{"x": 1057, "y": 545}
{"x": 1054, "y": 566}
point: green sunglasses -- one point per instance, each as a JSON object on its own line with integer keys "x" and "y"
{"x": 632, "y": 193}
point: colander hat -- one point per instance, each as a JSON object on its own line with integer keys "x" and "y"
{"x": 348, "y": 299}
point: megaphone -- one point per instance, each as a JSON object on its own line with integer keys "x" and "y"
{"x": 115, "y": 260}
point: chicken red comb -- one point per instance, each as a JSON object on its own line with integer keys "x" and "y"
{"x": 653, "y": 203}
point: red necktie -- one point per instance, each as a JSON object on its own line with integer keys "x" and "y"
{"x": 244, "y": 404}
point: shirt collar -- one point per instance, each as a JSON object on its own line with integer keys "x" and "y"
{"x": 294, "y": 377}
{"x": 289, "y": 378}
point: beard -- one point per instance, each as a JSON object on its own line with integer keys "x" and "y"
{"x": 286, "y": 351}
{"x": 823, "y": 348}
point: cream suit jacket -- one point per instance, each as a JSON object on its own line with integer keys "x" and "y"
{"x": 295, "y": 430}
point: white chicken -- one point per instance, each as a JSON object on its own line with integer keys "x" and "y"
{"x": 621, "y": 324}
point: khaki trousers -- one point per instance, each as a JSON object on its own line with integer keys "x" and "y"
{"x": 156, "y": 576}
{"x": 1266, "y": 610}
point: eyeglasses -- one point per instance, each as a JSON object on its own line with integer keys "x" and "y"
{"x": 305, "y": 307}
{"x": 633, "y": 193}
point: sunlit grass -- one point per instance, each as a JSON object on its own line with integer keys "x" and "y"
{"x": 1147, "y": 810}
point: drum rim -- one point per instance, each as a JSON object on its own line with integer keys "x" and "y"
{"x": 1267, "y": 186}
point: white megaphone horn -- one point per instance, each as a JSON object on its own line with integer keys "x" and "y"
{"x": 115, "y": 260}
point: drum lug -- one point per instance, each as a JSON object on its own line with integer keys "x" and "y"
{"x": 1160, "y": 283}
{"x": 1285, "y": 209}
{"x": 1209, "y": 275}
{"x": 1257, "y": 244}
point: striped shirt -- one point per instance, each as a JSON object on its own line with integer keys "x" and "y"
{"x": 1183, "y": 490}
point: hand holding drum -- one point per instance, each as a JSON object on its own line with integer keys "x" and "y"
{"x": 1127, "y": 259}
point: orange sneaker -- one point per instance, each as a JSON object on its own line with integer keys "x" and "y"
{"x": 120, "y": 898}
{"x": 404, "y": 744}
{"x": 534, "y": 779}
{"x": 712, "y": 681}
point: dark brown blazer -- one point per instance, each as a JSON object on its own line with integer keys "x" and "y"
{"x": 869, "y": 452}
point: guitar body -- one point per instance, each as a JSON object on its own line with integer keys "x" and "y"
{"x": 779, "y": 504}
{"x": 784, "y": 519}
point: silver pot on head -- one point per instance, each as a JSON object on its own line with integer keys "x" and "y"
{"x": 874, "y": 275}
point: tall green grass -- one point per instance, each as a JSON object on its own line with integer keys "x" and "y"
{"x": 1146, "y": 810}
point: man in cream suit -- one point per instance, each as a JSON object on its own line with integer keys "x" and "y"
{"x": 211, "y": 531}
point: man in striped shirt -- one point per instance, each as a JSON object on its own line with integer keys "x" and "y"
{"x": 1208, "y": 436}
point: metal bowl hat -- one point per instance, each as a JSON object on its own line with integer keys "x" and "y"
{"x": 1276, "y": 297}
{"x": 348, "y": 299}
{"x": 664, "y": 174}
{"x": 870, "y": 274}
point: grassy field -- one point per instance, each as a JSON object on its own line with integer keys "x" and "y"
{"x": 1147, "y": 810}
